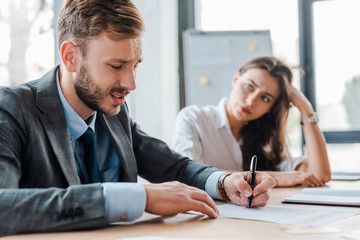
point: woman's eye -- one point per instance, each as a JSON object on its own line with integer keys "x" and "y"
{"x": 266, "y": 99}
{"x": 248, "y": 86}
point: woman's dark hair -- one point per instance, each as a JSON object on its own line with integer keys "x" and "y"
{"x": 265, "y": 136}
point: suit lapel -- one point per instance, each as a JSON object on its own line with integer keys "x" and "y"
{"x": 54, "y": 122}
{"x": 122, "y": 146}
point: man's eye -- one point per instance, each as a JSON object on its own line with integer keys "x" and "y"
{"x": 115, "y": 67}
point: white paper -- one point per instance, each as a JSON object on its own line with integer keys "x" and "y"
{"x": 156, "y": 238}
{"x": 341, "y": 197}
{"x": 165, "y": 238}
{"x": 345, "y": 176}
{"x": 332, "y": 192}
{"x": 287, "y": 215}
{"x": 169, "y": 238}
{"x": 354, "y": 235}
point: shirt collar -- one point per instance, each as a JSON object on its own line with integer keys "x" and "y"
{"x": 222, "y": 120}
{"x": 76, "y": 125}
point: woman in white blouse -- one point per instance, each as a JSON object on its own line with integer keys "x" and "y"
{"x": 252, "y": 121}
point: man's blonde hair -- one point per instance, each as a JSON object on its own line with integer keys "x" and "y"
{"x": 82, "y": 20}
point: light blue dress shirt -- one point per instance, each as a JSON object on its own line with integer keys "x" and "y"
{"x": 124, "y": 202}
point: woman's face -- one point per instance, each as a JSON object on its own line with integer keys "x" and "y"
{"x": 252, "y": 95}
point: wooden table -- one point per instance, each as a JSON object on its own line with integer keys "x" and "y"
{"x": 192, "y": 226}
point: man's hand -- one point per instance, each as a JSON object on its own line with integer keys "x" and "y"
{"x": 238, "y": 189}
{"x": 174, "y": 197}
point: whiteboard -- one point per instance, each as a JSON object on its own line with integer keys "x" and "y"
{"x": 212, "y": 58}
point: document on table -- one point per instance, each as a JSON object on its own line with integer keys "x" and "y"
{"x": 287, "y": 215}
{"x": 353, "y": 235}
{"x": 345, "y": 176}
{"x": 156, "y": 238}
{"x": 170, "y": 238}
{"x": 166, "y": 238}
{"x": 338, "y": 197}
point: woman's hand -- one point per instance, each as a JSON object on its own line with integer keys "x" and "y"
{"x": 298, "y": 99}
{"x": 293, "y": 178}
{"x": 317, "y": 167}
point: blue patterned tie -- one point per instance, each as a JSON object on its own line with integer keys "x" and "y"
{"x": 88, "y": 141}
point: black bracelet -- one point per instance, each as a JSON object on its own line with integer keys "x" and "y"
{"x": 221, "y": 188}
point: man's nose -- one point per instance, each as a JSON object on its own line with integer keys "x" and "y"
{"x": 127, "y": 80}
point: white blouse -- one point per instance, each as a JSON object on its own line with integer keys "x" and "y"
{"x": 203, "y": 134}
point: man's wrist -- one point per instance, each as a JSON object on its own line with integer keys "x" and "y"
{"x": 124, "y": 202}
{"x": 211, "y": 184}
{"x": 221, "y": 188}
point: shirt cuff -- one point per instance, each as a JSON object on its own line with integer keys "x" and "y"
{"x": 124, "y": 202}
{"x": 211, "y": 184}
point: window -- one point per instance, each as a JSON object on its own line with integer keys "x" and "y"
{"x": 337, "y": 63}
{"x": 247, "y": 15}
{"x": 331, "y": 55}
{"x": 27, "y": 40}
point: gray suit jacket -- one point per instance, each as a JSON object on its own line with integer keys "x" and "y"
{"x": 39, "y": 186}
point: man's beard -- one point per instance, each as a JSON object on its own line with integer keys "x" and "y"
{"x": 91, "y": 94}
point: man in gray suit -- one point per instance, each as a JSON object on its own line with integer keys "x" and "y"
{"x": 46, "y": 180}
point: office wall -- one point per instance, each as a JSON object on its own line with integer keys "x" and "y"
{"x": 155, "y": 102}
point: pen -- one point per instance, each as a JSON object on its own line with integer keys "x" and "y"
{"x": 252, "y": 177}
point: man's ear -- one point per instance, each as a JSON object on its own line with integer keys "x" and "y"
{"x": 68, "y": 55}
